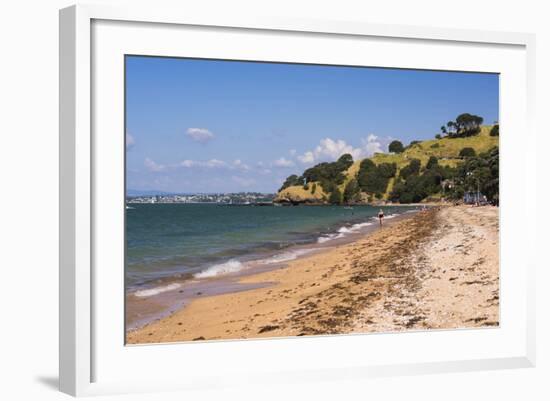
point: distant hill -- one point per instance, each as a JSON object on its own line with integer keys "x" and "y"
{"x": 446, "y": 150}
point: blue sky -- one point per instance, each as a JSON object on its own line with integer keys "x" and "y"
{"x": 226, "y": 126}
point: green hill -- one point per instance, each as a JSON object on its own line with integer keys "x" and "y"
{"x": 446, "y": 150}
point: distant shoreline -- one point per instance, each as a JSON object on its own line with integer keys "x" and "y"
{"x": 373, "y": 204}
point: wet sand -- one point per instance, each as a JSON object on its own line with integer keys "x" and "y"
{"x": 434, "y": 270}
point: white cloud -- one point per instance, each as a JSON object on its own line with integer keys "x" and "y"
{"x": 283, "y": 162}
{"x": 307, "y": 157}
{"x": 238, "y": 164}
{"x": 215, "y": 163}
{"x": 201, "y": 135}
{"x": 371, "y": 145}
{"x": 331, "y": 149}
{"x": 292, "y": 152}
{"x": 154, "y": 167}
{"x": 130, "y": 141}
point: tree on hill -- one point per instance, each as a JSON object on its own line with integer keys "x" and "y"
{"x": 432, "y": 162}
{"x": 480, "y": 172}
{"x": 292, "y": 181}
{"x": 464, "y": 125}
{"x": 410, "y": 191}
{"x": 410, "y": 145}
{"x": 491, "y": 186}
{"x": 345, "y": 161}
{"x": 495, "y": 130}
{"x": 329, "y": 174}
{"x": 335, "y": 197}
{"x": 467, "y": 152}
{"x": 413, "y": 168}
{"x": 367, "y": 164}
{"x": 351, "y": 191}
{"x": 418, "y": 186}
{"x": 373, "y": 178}
{"x": 396, "y": 147}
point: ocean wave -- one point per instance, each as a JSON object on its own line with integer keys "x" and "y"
{"x": 156, "y": 290}
{"x": 287, "y": 256}
{"x": 329, "y": 237}
{"x": 342, "y": 232}
{"x": 231, "y": 266}
{"x": 359, "y": 226}
{"x": 234, "y": 266}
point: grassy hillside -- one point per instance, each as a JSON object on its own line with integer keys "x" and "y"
{"x": 445, "y": 149}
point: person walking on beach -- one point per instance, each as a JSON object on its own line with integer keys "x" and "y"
{"x": 380, "y": 216}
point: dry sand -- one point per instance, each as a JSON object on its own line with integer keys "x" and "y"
{"x": 436, "y": 270}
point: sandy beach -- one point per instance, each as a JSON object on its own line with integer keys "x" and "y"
{"x": 437, "y": 269}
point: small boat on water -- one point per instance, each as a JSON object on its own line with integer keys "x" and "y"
{"x": 129, "y": 207}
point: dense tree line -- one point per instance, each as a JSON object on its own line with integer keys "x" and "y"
{"x": 352, "y": 192}
{"x": 373, "y": 178}
{"x": 413, "y": 168}
{"x": 328, "y": 175}
{"x": 479, "y": 172}
{"x": 476, "y": 172}
{"x": 414, "y": 184}
{"x": 292, "y": 181}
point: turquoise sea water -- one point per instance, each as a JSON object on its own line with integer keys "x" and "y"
{"x": 206, "y": 240}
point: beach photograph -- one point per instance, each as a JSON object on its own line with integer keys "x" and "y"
{"x": 270, "y": 200}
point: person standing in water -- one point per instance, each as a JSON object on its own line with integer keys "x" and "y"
{"x": 380, "y": 216}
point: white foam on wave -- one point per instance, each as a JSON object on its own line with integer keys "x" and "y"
{"x": 343, "y": 231}
{"x": 234, "y": 266}
{"x": 231, "y": 266}
{"x": 157, "y": 290}
{"x": 359, "y": 226}
{"x": 287, "y": 256}
{"x": 330, "y": 237}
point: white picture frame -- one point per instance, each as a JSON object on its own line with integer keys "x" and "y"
{"x": 80, "y": 210}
